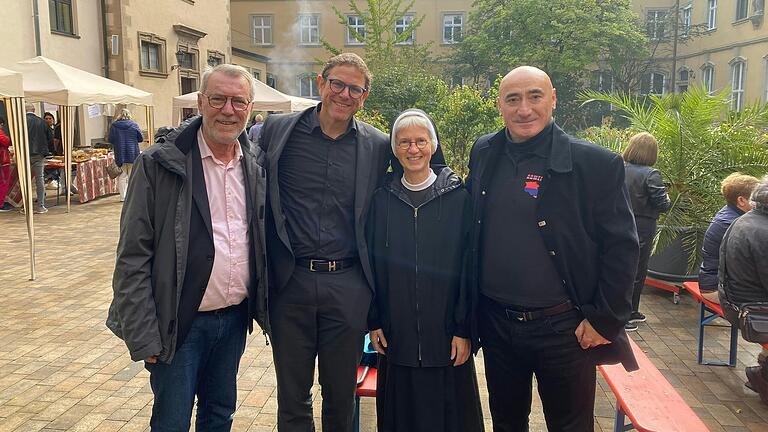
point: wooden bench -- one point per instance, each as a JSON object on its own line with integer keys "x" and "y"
{"x": 666, "y": 286}
{"x": 648, "y": 399}
{"x": 365, "y": 388}
{"x": 708, "y": 312}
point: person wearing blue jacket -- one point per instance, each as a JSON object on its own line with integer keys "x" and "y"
{"x": 125, "y": 136}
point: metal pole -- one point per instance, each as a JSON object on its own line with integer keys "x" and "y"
{"x": 674, "y": 47}
{"x": 36, "y": 19}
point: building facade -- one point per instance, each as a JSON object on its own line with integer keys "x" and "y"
{"x": 288, "y": 35}
{"x": 68, "y": 31}
{"x": 720, "y": 44}
{"x": 163, "y": 47}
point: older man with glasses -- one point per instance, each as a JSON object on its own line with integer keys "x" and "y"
{"x": 323, "y": 166}
{"x": 190, "y": 271}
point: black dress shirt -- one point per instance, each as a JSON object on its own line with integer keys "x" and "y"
{"x": 516, "y": 268}
{"x": 317, "y": 190}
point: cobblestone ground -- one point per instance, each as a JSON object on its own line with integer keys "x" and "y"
{"x": 61, "y": 369}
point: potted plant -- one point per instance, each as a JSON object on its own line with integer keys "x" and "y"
{"x": 700, "y": 142}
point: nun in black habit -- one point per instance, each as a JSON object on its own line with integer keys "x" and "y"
{"x": 422, "y": 313}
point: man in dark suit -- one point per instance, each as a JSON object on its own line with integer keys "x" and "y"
{"x": 39, "y": 136}
{"x": 323, "y": 166}
{"x": 555, "y": 251}
{"x": 190, "y": 273}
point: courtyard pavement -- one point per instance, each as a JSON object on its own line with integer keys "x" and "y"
{"x": 61, "y": 369}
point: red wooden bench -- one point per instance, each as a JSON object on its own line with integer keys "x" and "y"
{"x": 648, "y": 399}
{"x": 666, "y": 286}
{"x": 366, "y": 387}
{"x": 708, "y": 312}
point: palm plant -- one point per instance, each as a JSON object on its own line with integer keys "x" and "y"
{"x": 700, "y": 143}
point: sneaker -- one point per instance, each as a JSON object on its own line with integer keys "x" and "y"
{"x": 41, "y": 210}
{"x": 757, "y": 382}
{"x": 636, "y": 317}
{"x": 6, "y": 208}
{"x": 630, "y": 327}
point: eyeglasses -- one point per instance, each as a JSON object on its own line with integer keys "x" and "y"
{"x": 218, "y": 102}
{"x": 405, "y": 144}
{"x": 338, "y": 86}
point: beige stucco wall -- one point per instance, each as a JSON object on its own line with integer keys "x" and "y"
{"x": 728, "y": 41}
{"x": 288, "y": 58}
{"x": 127, "y": 18}
{"x": 83, "y": 50}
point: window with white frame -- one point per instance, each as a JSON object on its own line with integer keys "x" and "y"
{"x": 309, "y": 29}
{"x": 738, "y": 69}
{"x": 307, "y": 84}
{"x": 708, "y": 78}
{"x": 401, "y": 25}
{"x": 685, "y": 28}
{"x": 453, "y": 24}
{"x": 355, "y": 30}
{"x": 653, "y": 84}
{"x": 261, "y": 30}
{"x": 655, "y": 21}
{"x": 711, "y": 14}
{"x": 683, "y": 77}
{"x": 742, "y": 9}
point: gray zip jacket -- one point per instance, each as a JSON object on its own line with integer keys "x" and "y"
{"x": 154, "y": 236}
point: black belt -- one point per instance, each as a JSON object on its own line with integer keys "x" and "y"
{"x": 224, "y": 310}
{"x": 324, "y": 265}
{"x": 538, "y": 313}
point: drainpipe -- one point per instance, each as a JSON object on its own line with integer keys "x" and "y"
{"x": 36, "y": 18}
{"x": 105, "y": 37}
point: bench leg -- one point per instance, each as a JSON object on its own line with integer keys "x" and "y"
{"x": 356, "y": 423}
{"x": 618, "y": 421}
{"x": 701, "y": 333}
{"x": 734, "y": 346}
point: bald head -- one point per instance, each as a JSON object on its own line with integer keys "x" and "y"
{"x": 526, "y": 101}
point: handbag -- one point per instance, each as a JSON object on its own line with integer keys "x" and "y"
{"x": 114, "y": 171}
{"x": 752, "y": 318}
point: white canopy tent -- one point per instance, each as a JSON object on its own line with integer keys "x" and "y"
{"x": 12, "y": 95}
{"x": 265, "y": 99}
{"x": 49, "y": 81}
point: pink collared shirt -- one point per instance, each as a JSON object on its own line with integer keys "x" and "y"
{"x": 225, "y": 184}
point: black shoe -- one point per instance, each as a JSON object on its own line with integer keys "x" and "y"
{"x": 756, "y": 382}
{"x": 6, "y": 208}
{"x": 636, "y": 317}
{"x": 630, "y": 326}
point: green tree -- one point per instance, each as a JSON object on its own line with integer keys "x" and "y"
{"x": 565, "y": 38}
{"x": 464, "y": 115}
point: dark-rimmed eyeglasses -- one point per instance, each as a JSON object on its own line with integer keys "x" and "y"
{"x": 405, "y": 144}
{"x": 338, "y": 86}
{"x": 218, "y": 101}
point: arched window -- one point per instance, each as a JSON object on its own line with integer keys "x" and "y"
{"x": 708, "y": 77}
{"x": 738, "y": 75}
{"x": 684, "y": 75}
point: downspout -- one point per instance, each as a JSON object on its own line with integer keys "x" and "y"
{"x": 36, "y": 19}
{"x": 105, "y": 37}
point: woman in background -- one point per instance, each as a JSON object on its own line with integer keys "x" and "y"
{"x": 649, "y": 199}
{"x": 125, "y": 136}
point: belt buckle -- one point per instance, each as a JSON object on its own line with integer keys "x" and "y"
{"x": 312, "y": 265}
{"x": 331, "y": 266}
{"x": 518, "y": 315}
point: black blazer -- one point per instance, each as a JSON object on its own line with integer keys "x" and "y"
{"x": 586, "y": 222}
{"x": 373, "y": 152}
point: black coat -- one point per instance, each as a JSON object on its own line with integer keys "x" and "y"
{"x": 417, "y": 256}
{"x": 39, "y": 135}
{"x": 647, "y": 193}
{"x": 585, "y": 220}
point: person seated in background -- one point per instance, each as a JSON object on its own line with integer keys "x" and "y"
{"x": 744, "y": 271}
{"x": 736, "y": 188}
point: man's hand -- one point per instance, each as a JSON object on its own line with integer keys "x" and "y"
{"x": 378, "y": 340}
{"x": 151, "y": 359}
{"x": 589, "y": 337}
{"x": 459, "y": 350}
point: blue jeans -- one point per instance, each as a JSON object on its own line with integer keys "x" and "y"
{"x": 205, "y": 365}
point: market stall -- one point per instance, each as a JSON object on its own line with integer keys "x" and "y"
{"x": 12, "y": 95}
{"x": 49, "y": 81}
{"x": 265, "y": 99}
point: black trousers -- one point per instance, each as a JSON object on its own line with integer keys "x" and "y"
{"x": 514, "y": 351}
{"x": 309, "y": 321}
{"x": 646, "y": 231}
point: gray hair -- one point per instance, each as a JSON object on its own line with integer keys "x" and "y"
{"x": 231, "y": 71}
{"x": 29, "y": 107}
{"x": 759, "y": 196}
{"x": 124, "y": 115}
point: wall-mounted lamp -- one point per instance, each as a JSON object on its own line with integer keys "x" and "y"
{"x": 179, "y": 58}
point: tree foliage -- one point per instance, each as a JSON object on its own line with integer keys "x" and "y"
{"x": 700, "y": 143}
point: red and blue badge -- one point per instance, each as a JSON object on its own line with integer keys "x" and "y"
{"x": 532, "y": 184}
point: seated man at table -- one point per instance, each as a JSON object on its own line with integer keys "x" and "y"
{"x": 736, "y": 189}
